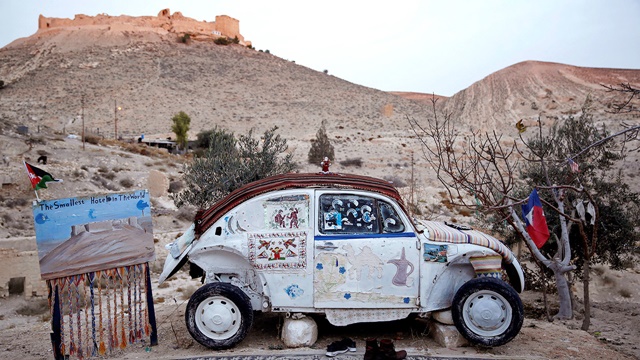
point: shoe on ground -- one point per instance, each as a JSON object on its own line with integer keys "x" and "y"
{"x": 351, "y": 345}
{"x": 337, "y": 348}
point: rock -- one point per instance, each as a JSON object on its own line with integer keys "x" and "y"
{"x": 158, "y": 184}
{"x": 443, "y": 317}
{"x": 446, "y": 335}
{"x": 299, "y": 331}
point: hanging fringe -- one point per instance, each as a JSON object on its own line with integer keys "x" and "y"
{"x": 100, "y": 337}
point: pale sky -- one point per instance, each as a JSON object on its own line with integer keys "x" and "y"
{"x": 424, "y": 46}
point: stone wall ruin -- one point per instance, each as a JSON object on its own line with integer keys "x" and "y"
{"x": 223, "y": 26}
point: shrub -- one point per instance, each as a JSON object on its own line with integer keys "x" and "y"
{"x": 1, "y": 84}
{"x": 352, "y": 162}
{"x": 321, "y": 146}
{"x": 223, "y": 40}
{"x": 126, "y": 183}
{"x": 185, "y": 39}
{"x": 92, "y": 139}
{"x": 230, "y": 163}
{"x": 109, "y": 175}
{"x": 175, "y": 186}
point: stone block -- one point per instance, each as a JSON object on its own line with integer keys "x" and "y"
{"x": 299, "y": 331}
{"x": 446, "y": 335}
{"x": 443, "y": 317}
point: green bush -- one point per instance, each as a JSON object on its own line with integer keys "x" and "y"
{"x": 222, "y": 41}
{"x": 230, "y": 163}
{"x": 185, "y": 39}
{"x": 321, "y": 147}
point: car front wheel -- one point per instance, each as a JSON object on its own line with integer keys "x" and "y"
{"x": 219, "y": 315}
{"x": 487, "y": 311}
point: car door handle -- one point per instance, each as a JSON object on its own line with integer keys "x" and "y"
{"x": 327, "y": 246}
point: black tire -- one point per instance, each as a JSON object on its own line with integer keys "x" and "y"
{"x": 219, "y": 315}
{"x": 487, "y": 311}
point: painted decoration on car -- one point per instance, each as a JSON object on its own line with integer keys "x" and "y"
{"x": 404, "y": 268}
{"x": 435, "y": 253}
{"x": 363, "y": 263}
{"x": 279, "y": 250}
{"x": 86, "y": 234}
{"x": 287, "y": 212}
{"x": 294, "y": 291}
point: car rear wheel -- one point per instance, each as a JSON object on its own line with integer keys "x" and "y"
{"x": 219, "y": 315}
{"x": 487, "y": 311}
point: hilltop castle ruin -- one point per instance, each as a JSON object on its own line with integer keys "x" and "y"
{"x": 224, "y": 26}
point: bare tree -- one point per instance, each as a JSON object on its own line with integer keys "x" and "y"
{"x": 630, "y": 95}
{"x": 481, "y": 171}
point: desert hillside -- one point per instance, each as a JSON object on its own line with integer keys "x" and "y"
{"x": 141, "y": 77}
{"x": 534, "y": 89}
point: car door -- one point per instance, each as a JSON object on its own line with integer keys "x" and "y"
{"x": 365, "y": 254}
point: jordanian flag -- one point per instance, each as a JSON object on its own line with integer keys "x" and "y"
{"x": 39, "y": 178}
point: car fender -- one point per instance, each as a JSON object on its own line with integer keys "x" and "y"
{"x": 226, "y": 264}
{"x": 177, "y": 256}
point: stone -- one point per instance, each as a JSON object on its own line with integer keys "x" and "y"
{"x": 443, "y": 317}
{"x": 158, "y": 184}
{"x": 446, "y": 335}
{"x": 299, "y": 331}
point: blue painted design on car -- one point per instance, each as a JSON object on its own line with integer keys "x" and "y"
{"x": 294, "y": 291}
{"x": 362, "y": 236}
{"x": 342, "y": 270}
{"x": 347, "y": 296}
{"x": 406, "y": 300}
{"x": 319, "y": 266}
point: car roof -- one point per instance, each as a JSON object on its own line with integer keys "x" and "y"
{"x": 206, "y": 218}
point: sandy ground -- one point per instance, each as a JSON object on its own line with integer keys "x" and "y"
{"x": 613, "y": 334}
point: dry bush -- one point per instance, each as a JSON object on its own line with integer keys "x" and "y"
{"x": 126, "y": 183}
{"x": 186, "y": 213}
{"x": 395, "y": 180}
{"x": 164, "y": 285}
{"x": 187, "y": 292}
{"x": 34, "y": 307}
{"x": 609, "y": 280}
{"x": 625, "y": 293}
{"x": 17, "y": 202}
{"x": 77, "y": 173}
{"x": 464, "y": 212}
{"x": 92, "y": 139}
{"x": 175, "y": 186}
{"x": 352, "y": 162}
{"x": 109, "y": 175}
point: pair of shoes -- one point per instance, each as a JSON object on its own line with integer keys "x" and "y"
{"x": 385, "y": 351}
{"x": 341, "y": 347}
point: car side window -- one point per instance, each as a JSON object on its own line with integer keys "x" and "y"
{"x": 348, "y": 214}
{"x": 390, "y": 220}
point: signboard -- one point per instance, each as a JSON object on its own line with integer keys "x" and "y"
{"x": 87, "y": 234}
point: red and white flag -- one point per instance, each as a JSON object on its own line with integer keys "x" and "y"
{"x": 534, "y": 218}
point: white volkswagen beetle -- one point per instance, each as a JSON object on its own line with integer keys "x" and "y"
{"x": 341, "y": 245}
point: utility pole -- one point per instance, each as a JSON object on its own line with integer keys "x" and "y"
{"x": 82, "y": 115}
{"x": 115, "y": 117}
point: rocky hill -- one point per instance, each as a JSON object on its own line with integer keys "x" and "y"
{"x": 139, "y": 77}
{"x": 534, "y": 89}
